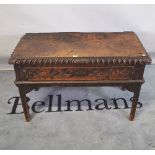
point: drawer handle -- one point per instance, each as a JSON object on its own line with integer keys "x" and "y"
{"x": 80, "y": 73}
{"x": 61, "y": 73}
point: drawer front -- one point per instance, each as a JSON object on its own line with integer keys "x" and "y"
{"x": 76, "y": 73}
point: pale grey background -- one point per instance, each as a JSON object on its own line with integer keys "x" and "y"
{"x": 15, "y": 20}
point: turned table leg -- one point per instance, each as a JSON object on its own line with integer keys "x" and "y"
{"x": 25, "y": 106}
{"x": 134, "y": 102}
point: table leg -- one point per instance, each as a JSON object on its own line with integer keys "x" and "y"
{"x": 25, "y": 106}
{"x": 136, "y": 91}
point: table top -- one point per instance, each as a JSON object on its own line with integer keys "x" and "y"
{"x": 72, "y": 45}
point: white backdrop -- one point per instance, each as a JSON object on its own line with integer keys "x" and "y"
{"x": 15, "y": 20}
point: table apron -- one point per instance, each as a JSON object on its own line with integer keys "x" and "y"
{"x": 77, "y": 73}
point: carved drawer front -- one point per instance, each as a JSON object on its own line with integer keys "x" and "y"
{"x": 76, "y": 73}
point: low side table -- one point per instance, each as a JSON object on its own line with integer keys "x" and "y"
{"x": 79, "y": 59}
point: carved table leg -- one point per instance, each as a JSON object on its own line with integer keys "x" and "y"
{"x": 22, "y": 93}
{"x": 136, "y": 91}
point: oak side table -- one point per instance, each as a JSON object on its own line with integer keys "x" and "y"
{"x": 79, "y": 59}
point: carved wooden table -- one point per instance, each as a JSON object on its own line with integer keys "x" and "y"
{"x": 79, "y": 59}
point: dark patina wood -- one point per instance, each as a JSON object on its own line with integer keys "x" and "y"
{"x": 79, "y": 59}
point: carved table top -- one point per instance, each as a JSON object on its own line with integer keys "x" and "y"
{"x": 77, "y": 47}
{"x": 79, "y": 59}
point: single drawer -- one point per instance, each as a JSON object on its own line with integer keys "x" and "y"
{"x": 76, "y": 73}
